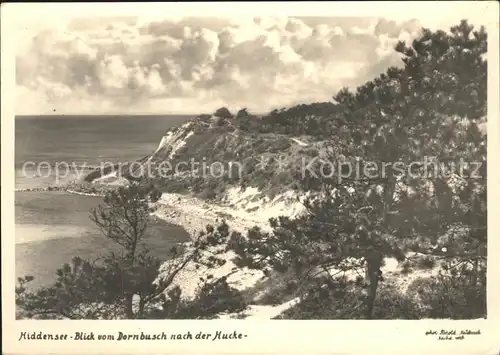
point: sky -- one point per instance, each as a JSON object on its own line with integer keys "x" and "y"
{"x": 167, "y": 62}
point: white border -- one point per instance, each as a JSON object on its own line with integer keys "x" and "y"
{"x": 398, "y": 337}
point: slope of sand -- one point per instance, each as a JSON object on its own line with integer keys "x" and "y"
{"x": 194, "y": 214}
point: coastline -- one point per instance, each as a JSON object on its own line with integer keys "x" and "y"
{"x": 60, "y": 189}
{"x": 193, "y": 215}
{"x": 241, "y": 212}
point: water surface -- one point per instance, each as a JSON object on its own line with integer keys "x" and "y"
{"x": 52, "y": 227}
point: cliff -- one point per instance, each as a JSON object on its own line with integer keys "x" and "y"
{"x": 222, "y": 160}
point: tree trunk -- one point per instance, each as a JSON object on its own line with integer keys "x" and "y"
{"x": 475, "y": 273}
{"x": 374, "y": 261}
{"x": 129, "y": 311}
{"x": 142, "y": 304}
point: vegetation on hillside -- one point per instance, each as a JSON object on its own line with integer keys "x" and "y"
{"x": 126, "y": 285}
{"x": 428, "y": 220}
{"x": 430, "y": 107}
{"x": 318, "y": 120}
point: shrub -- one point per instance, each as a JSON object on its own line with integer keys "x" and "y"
{"x": 212, "y": 298}
{"x": 325, "y": 301}
{"x": 341, "y": 299}
{"x": 449, "y": 296}
{"x": 279, "y": 288}
{"x": 223, "y": 112}
{"x": 312, "y": 152}
{"x": 207, "y": 194}
{"x": 106, "y": 288}
{"x": 391, "y": 303}
{"x": 242, "y": 113}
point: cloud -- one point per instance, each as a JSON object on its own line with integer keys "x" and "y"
{"x": 192, "y": 65}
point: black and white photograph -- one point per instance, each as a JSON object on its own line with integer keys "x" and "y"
{"x": 251, "y": 168}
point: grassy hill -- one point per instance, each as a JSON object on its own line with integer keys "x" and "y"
{"x": 210, "y": 153}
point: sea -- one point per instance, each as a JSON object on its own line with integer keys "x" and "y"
{"x": 53, "y": 226}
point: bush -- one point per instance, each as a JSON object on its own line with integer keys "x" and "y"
{"x": 122, "y": 284}
{"x": 312, "y": 152}
{"x": 341, "y": 299}
{"x": 174, "y": 185}
{"x": 242, "y": 113}
{"x": 437, "y": 297}
{"x": 449, "y": 296}
{"x": 280, "y": 145}
{"x": 326, "y": 301}
{"x": 391, "y": 303}
{"x": 212, "y": 298}
{"x": 220, "y": 297}
{"x": 207, "y": 194}
{"x": 223, "y": 112}
{"x": 279, "y": 288}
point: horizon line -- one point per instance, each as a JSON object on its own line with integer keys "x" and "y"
{"x": 104, "y": 114}
{"x": 118, "y": 114}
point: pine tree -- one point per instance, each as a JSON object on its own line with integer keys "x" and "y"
{"x": 106, "y": 288}
{"x": 434, "y": 106}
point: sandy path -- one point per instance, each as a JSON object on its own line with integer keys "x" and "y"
{"x": 194, "y": 214}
